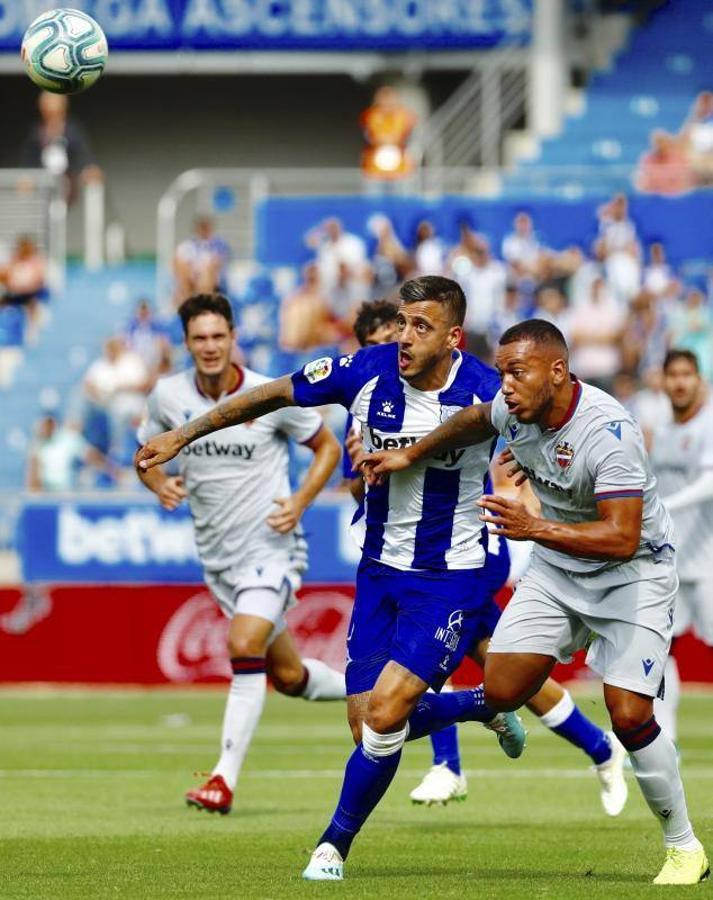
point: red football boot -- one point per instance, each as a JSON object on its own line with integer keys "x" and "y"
{"x": 213, "y": 796}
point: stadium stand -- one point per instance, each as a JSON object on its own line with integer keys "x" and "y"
{"x": 651, "y": 85}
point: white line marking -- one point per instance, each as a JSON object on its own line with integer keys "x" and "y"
{"x": 569, "y": 774}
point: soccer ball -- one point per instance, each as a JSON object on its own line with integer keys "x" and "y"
{"x": 64, "y": 51}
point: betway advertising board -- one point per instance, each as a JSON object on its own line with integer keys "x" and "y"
{"x": 134, "y": 540}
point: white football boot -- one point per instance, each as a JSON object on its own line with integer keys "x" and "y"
{"x": 439, "y": 786}
{"x": 611, "y": 778}
{"x": 326, "y": 864}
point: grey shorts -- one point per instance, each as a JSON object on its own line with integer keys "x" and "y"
{"x": 256, "y": 589}
{"x": 694, "y": 609}
{"x": 623, "y": 615}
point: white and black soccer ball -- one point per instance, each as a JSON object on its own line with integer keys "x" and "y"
{"x": 64, "y": 51}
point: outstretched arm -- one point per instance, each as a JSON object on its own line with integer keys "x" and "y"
{"x": 250, "y": 405}
{"x": 470, "y": 426}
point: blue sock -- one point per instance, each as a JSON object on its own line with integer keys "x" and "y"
{"x": 366, "y": 779}
{"x": 445, "y": 748}
{"x": 434, "y": 712}
{"x": 568, "y": 722}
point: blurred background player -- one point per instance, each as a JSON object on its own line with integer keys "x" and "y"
{"x": 246, "y": 527}
{"x": 682, "y": 459}
{"x": 445, "y": 781}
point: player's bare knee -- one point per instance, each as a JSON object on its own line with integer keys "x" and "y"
{"x": 628, "y": 716}
{"x": 244, "y": 645}
{"x": 384, "y": 716}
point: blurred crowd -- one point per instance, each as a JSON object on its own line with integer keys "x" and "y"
{"x": 676, "y": 163}
{"x": 620, "y": 305}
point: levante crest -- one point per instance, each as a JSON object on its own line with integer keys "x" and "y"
{"x": 564, "y": 454}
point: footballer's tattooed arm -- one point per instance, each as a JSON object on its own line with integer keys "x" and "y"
{"x": 249, "y": 405}
{"x": 470, "y": 426}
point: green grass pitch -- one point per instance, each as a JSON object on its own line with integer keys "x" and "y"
{"x": 91, "y": 788}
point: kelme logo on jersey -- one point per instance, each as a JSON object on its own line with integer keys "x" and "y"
{"x": 318, "y": 369}
{"x": 387, "y": 410}
{"x": 564, "y": 454}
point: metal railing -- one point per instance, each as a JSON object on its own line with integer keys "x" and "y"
{"x": 32, "y": 203}
{"x": 468, "y": 129}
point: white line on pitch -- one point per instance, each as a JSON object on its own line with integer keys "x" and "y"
{"x": 697, "y": 773}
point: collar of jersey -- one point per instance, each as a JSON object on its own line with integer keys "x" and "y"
{"x": 457, "y": 357}
{"x": 238, "y": 385}
{"x": 573, "y": 404}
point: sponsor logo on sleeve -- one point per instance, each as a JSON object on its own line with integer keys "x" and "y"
{"x": 318, "y": 369}
{"x": 615, "y": 429}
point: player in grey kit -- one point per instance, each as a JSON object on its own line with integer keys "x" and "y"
{"x": 246, "y": 522}
{"x": 682, "y": 459}
{"x": 603, "y": 563}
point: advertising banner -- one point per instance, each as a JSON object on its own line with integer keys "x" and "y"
{"x": 145, "y": 634}
{"x": 134, "y": 540}
{"x": 166, "y": 25}
{"x": 175, "y": 634}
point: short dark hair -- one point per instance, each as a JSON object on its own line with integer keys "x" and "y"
{"x": 372, "y": 316}
{"x": 438, "y": 290}
{"x": 205, "y": 303}
{"x": 674, "y": 354}
{"x": 539, "y": 331}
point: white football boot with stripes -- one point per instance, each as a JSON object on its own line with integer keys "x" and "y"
{"x": 439, "y": 786}
{"x": 326, "y": 864}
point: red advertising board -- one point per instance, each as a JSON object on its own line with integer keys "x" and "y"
{"x": 176, "y": 634}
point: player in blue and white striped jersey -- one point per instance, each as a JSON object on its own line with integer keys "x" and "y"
{"x": 376, "y": 323}
{"x": 421, "y": 601}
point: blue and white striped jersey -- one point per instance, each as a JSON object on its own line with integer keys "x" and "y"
{"x": 423, "y": 518}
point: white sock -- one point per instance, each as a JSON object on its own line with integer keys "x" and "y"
{"x": 323, "y": 683}
{"x": 656, "y": 770}
{"x": 243, "y": 709}
{"x": 560, "y": 712}
{"x": 666, "y": 710}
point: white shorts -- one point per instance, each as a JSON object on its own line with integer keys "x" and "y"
{"x": 624, "y": 615}
{"x": 256, "y": 589}
{"x": 694, "y": 609}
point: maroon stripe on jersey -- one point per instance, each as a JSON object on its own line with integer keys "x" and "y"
{"x": 576, "y": 394}
{"x": 248, "y": 665}
{"x": 640, "y": 737}
{"x": 612, "y": 495}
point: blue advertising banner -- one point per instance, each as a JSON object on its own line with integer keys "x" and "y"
{"x": 136, "y": 541}
{"x": 289, "y": 24}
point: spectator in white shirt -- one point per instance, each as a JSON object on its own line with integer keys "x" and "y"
{"x": 337, "y": 251}
{"x": 429, "y": 254}
{"x": 521, "y": 249}
{"x": 56, "y": 455}
{"x": 595, "y": 337}
{"x": 117, "y": 383}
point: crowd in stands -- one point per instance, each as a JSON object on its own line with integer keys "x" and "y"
{"x": 620, "y": 305}
{"x": 677, "y": 163}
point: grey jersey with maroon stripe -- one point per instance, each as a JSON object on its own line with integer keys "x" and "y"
{"x": 597, "y": 453}
{"x": 232, "y": 476}
{"x": 681, "y": 453}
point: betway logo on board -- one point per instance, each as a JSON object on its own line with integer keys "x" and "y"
{"x": 136, "y": 536}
